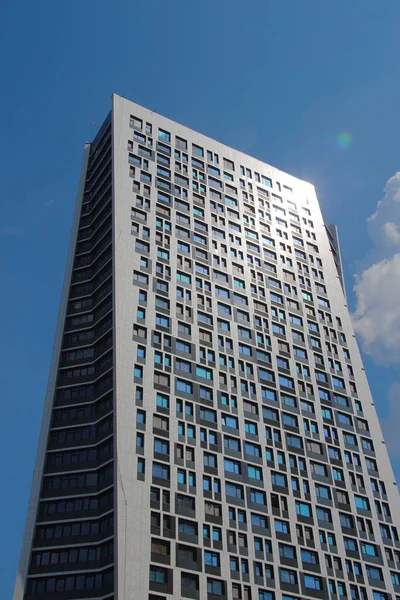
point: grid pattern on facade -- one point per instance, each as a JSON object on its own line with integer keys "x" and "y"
{"x": 256, "y": 422}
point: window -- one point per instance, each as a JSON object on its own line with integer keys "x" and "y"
{"x": 281, "y": 526}
{"x": 184, "y": 328}
{"x": 244, "y": 349}
{"x": 158, "y": 574}
{"x": 338, "y": 382}
{"x": 270, "y": 414}
{"x": 141, "y": 416}
{"x": 162, "y": 321}
{"x": 323, "y": 491}
{"x": 268, "y": 394}
{"x": 233, "y": 490}
{"x": 312, "y": 582}
{"x": 258, "y": 497}
{"x": 276, "y": 298}
{"x": 204, "y": 372}
{"x": 187, "y": 527}
{"x": 289, "y": 419}
{"x": 183, "y": 277}
{"x": 334, "y": 453}
{"x": 210, "y": 460}
{"x": 299, "y": 352}
{"x": 280, "y": 330}
{"x": 252, "y": 449}
{"x": 379, "y": 596}
{"x": 162, "y": 285}
{"x": 229, "y": 421}
{"x": 216, "y": 534}
{"x": 346, "y": 521}
{"x": 215, "y": 587}
{"x": 160, "y": 471}
{"x": 367, "y": 444}
{"x": 197, "y": 150}
{"x": 208, "y": 415}
{"x": 361, "y": 502}
{"x": 188, "y": 581}
{"x": 343, "y": 418}
{"x": 250, "y": 427}
{"x": 138, "y": 371}
{"x": 350, "y": 544}
{"x": 161, "y": 446}
{"x": 351, "y": 439}
{"x": 319, "y": 469}
{"x": 211, "y": 559}
{"x": 374, "y": 573}
{"x": 164, "y": 135}
{"x": 310, "y": 557}
{"x": 369, "y": 549}
{"x": 327, "y": 413}
{"x": 135, "y": 122}
{"x": 286, "y": 381}
{"x": 183, "y": 346}
{"x": 286, "y": 551}
{"x": 371, "y": 464}
{"x": 395, "y": 578}
{"x": 259, "y": 521}
{"x": 338, "y": 474}
{"x": 323, "y": 514}
{"x": 232, "y": 443}
{"x": 303, "y": 509}
{"x": 141, "y": 352}
{"x": 266, "y": 181}
{"x": 288, "y": 576}
{"x": 264, "y": 595}
{"x": 160, "y": 423}
{"x": 184, "y": 386}
{"x": 232, "y": 466}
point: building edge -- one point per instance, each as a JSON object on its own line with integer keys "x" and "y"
{"x": 33, "y": 505}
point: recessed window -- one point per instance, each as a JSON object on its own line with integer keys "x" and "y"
{"x": 164, "y": 135}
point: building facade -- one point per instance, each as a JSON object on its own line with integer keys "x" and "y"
{"x": 208, "y": 430}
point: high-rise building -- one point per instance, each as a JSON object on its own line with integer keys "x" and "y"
{"x": 208, "y": 430}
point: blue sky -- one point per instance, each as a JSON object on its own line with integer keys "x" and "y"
{"x": 280, "y": 80}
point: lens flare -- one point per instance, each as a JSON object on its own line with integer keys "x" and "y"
{"x": 344, "y": 139}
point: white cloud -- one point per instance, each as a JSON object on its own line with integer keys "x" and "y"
{"x": 377, "y": 287}
{"x": 377, "y": 317}
{"x": 392, "y": 232}
{"x": 390, "y": 424}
